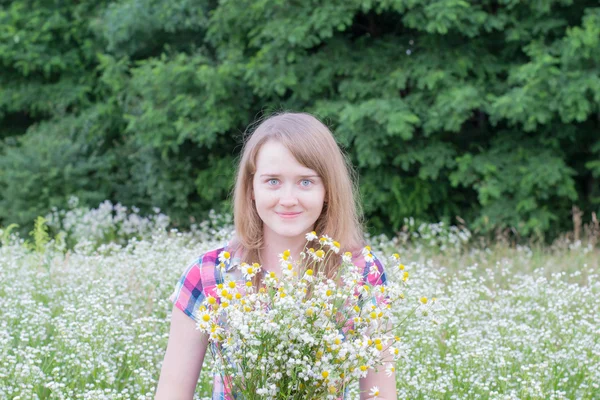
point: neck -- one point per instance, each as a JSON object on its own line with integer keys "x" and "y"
{"x": 277, "y": 245}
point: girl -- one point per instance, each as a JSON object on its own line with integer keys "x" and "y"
{"x": 292, "y": 179}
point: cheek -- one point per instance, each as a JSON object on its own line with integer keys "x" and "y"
{"x": 316, "y": 200}
{"x": 263, "y": 198}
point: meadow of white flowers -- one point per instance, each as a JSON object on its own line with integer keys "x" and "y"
{"x": 86, "y": 316}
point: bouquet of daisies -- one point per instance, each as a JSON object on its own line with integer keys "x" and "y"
{"x": 304, "y": 335}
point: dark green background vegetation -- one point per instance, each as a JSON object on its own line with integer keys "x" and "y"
{"x": 489, "y": 110}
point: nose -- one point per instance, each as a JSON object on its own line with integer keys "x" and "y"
{"x": 288, "y": 197}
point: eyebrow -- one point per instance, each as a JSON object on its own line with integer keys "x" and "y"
{"x": 299, "y": 176}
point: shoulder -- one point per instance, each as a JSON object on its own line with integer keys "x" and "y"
{"x": 203, "y": 270}
{"x": 199, "y": 278}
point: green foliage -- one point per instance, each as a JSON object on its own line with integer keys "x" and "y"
{"x": 48, "y": 165}
{"x": 484, "y": 110}
{"x": 40, "y": 236}
{"x": 6, "y": 234}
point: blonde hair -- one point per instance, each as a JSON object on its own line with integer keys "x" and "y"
{"x": 313, "y": 145}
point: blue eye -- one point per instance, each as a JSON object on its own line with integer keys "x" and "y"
{"x": 271, "y": 180}
{"x": 306, "y": 180}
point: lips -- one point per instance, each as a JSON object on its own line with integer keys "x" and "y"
{"x": 288, "y": 215}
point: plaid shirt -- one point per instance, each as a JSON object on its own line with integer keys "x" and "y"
{"x": 202, "y": 276}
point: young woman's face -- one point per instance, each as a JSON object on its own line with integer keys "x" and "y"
{"x": 288, "y": 196}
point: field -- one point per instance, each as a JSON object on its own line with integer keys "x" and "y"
{"x": 86, "y": 315}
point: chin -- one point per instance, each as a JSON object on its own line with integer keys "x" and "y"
{"x": 291, "y": 232}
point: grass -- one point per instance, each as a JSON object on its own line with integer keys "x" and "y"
{"x": 511, "y": 322}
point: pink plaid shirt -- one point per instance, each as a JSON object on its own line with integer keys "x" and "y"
{"x": 202, "y": 276}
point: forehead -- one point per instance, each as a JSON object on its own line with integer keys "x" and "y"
{"x": 274, "y": 158}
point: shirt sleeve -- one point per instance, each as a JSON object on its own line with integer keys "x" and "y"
{"x": 189, "y": 290}
{"x": 374, "y": 275}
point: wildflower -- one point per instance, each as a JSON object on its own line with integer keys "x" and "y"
{"x": 325, "y": 374}
{"x": 335, "y": 246}
{"x": 224, "y": 257}
{"x": 374, "y": 270}
{"x": 319, "y": 254}
{"x": 285, "y": 255}
{"x": 347, "y": 257}
{"x": 423, "y": 300}
{"x": 249, "y": 270}
{"x": 311, "y": 236}
{"x": 215, "y": 332}
{"x": 204, "y": 317}
{"x": 374, "y": 392}
{"x": 395, "y": 257}
{"x": 326, "y": 240}
{"x": 390, "y": 369}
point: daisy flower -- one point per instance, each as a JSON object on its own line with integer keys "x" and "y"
{"x": 204, "y": 316}
{"x": 285, "y": 256}
{"x": 250, "y": 270}
{"x": 366, "y": 250}
{"x": 319, "y": 255}
{"x": 224, "y": 257}
{"x": 221, "y": 267}
{"x": 374, "y": 392}
{"x": 335, "y": 246}
{"x": 347, "y": 257}
{"x": 311, "y": 236}
{"x": 390, "y": 369}
{"x": 374, "y": 270}
{"x": 326, "y": 240}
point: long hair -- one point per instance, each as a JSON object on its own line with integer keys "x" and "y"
{"x": 312, "y": 144}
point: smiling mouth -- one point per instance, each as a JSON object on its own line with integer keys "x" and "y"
{"x": 288, "y": 215}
